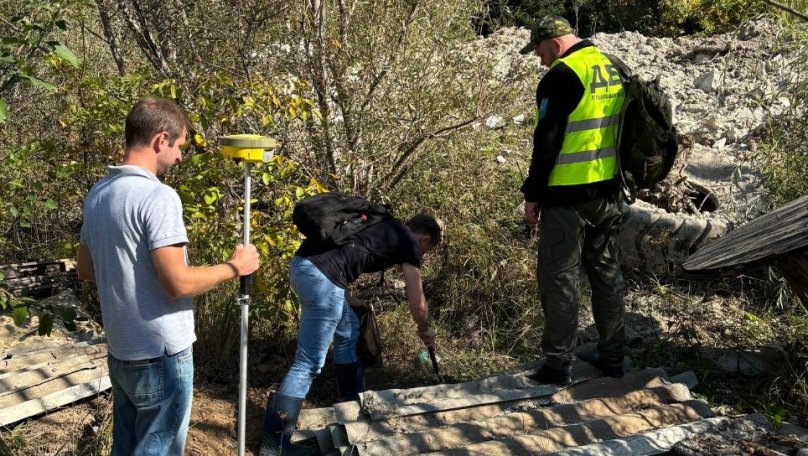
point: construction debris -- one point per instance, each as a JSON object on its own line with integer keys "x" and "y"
{"x": 509, "y": 414}
{"x": 39, "y": 279}
{"x": 645, "y": 413}
{"x": 40, "y": 374}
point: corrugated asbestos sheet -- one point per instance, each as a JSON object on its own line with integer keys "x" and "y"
{"x": 508, "y": 414}
{"x": 39, "y": 374}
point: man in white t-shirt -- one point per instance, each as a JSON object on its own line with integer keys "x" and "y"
{"x": 133, "y": 245}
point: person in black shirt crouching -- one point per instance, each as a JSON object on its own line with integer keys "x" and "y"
{"x": 319, "y": 276}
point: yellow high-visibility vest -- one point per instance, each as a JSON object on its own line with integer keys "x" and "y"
{"x": 589, "y": 153}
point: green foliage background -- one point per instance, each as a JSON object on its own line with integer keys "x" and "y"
{"x": 371, "y": 99}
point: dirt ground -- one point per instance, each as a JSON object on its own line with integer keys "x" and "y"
{"x": 83, "y": 428}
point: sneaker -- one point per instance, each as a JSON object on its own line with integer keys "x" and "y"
{"x": 552, "y": 376}
{"x": 608, "y": 369}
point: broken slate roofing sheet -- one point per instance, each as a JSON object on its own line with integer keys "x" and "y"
{"x": 508, "y": 414}
{"x": 39, "y": 374}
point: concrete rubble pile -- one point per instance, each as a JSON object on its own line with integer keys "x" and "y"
{"x": 724, "y": 88}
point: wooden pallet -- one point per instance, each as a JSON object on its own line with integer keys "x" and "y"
{"x": 39, "y": 279}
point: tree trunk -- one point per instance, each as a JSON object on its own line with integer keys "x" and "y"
{"x": 144, "y": 36}
{"x": 320, "y": 79}
{"x": 110, "y": 36}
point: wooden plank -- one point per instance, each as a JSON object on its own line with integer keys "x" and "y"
{"x": 12, "y": 414}
{"x": 38, "y": 280}
{"x": 25, "y": 349}
{"x": 51, "y": 362}
{"x": 13, "y": 270}
{"x": 763, "y": 240}
{"x": 51, "y": 353}
{"x": 32, "y": 378}
{"x": 54, "y": 385}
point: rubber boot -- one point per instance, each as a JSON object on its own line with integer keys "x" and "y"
{"x": 350, "y": 380}
{"x": 279, "y": 423}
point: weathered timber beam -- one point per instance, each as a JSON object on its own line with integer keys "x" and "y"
{"x": 51, "y": 401}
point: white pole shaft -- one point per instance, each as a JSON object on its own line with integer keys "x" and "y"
{"x": 245, "y": 318}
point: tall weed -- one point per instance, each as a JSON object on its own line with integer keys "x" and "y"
{"x": 782, "y": 157}
{"x": 482, "y": 282}
{"x": 783, "y": 150}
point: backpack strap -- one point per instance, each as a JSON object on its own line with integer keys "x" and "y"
{"x": 625, "y": 74}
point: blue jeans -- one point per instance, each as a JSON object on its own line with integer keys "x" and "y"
{"x": 151, "y": 404}
{"x": 324, "y": 316}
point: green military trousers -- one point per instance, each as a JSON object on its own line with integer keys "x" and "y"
{"x": 570, "y": 236}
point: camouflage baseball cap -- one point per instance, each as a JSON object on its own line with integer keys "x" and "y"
{"x": 546, "y": 28}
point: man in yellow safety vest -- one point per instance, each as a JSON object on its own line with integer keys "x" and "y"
{"x": 572, "y": 186}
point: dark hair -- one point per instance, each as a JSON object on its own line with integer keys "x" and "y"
{"x": 151, "y": 116}
{"x": 425, "y": 224}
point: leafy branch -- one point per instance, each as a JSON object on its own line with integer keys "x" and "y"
{"x": 31, "y": 38}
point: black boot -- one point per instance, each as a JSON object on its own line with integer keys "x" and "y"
{"x": 610, "y": 368}
{"x": 279, "y": 423}
{"x": 350, "y": 380}
{"x": 550, "y": 375}
{"x": 554, "y": 371}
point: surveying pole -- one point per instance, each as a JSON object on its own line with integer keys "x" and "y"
{"x": 249, "y": 149}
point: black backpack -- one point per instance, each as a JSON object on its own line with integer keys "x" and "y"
{"x": 335, "y": 218}
{"x": 647, "y": 141}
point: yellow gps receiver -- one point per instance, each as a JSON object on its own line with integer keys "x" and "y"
{"x": 248, "y": 148}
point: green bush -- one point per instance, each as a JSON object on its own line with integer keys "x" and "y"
{"x": 678, "y": 17}
{"x": 53, "y": 161}
{"x": 481, "y": 282}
